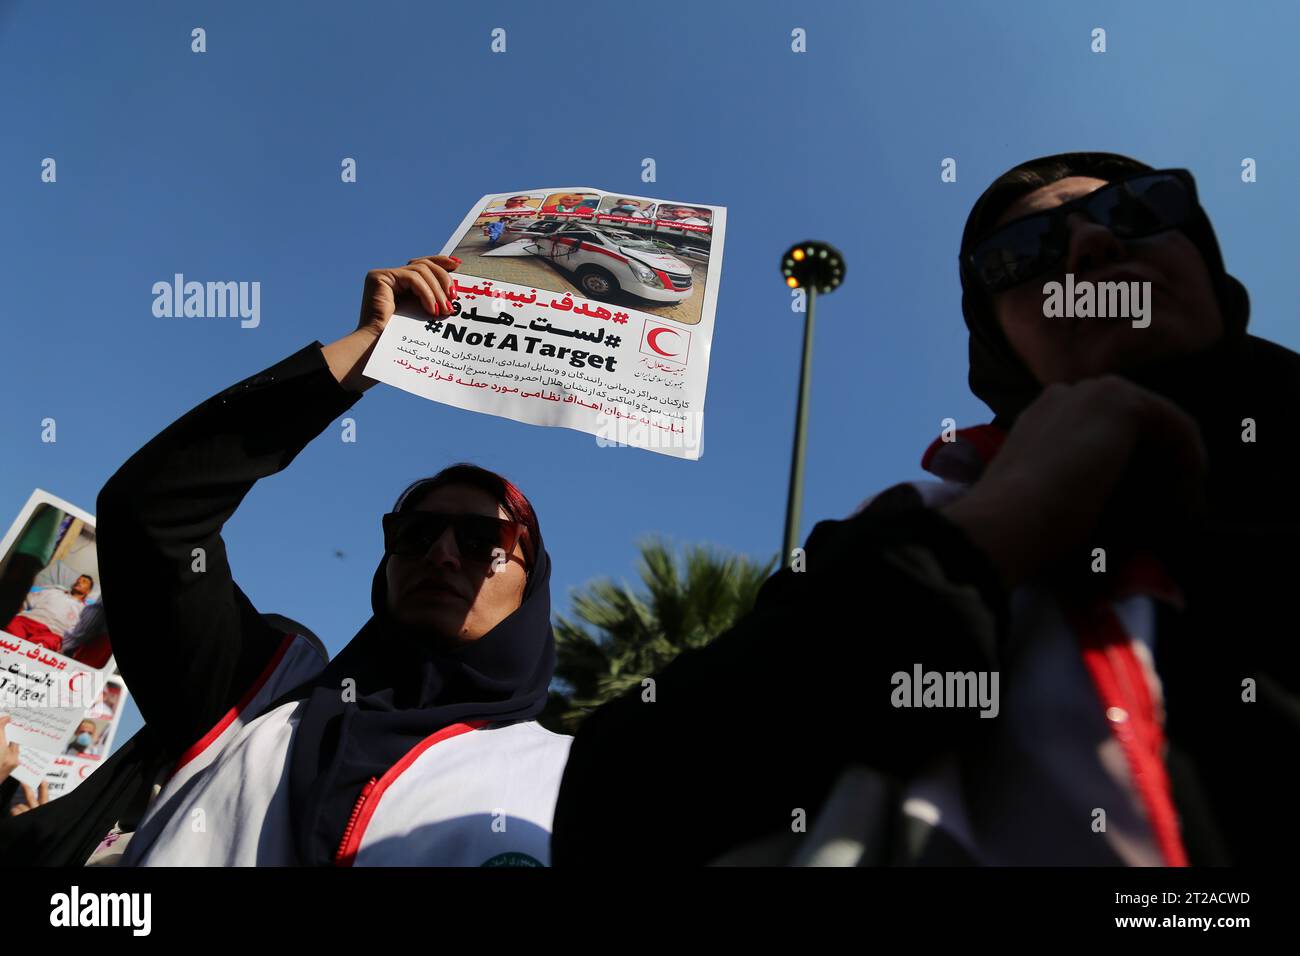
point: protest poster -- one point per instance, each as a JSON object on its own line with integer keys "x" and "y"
{"x": 58, "y": 681}
{"x": 576, "y": 307}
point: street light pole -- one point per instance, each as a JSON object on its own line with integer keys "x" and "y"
{"x": 815, "y": 267}
{"x": 794, "y": 501}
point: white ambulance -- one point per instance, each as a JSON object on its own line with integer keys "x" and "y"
{"x": 602, "y": 259}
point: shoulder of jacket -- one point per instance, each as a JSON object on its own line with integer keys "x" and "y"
{"x": 286, "y": 625}
{"x": 529, "y": 733}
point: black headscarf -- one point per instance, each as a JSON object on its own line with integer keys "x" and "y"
{"x": 406, "y": 690}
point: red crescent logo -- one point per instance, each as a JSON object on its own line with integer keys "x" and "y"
{"x": 650, "y": 341}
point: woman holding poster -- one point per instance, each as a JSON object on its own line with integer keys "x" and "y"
{"x": 416, "y": 745}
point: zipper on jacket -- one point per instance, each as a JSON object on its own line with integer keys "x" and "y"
{"x": 377, "y": 787}
{"x": 352, "y": 820}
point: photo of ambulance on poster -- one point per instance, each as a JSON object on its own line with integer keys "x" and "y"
{"x": 646, "y": 254}
{"x": 575, "y": 307}
{"x": 59, "y": 685}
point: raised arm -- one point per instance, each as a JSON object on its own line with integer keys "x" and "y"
{"x": 187, "y": 639}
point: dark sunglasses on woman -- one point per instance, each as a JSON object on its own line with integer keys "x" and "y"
{"x": 412, "y": 533}
{"x": 1142, "y": 204}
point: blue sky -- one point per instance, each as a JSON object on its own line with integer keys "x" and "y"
{"x": 225, "y": 166}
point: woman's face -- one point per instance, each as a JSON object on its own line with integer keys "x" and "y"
{"x": 1183, "y": 310}
{"x": 438, "y": 594}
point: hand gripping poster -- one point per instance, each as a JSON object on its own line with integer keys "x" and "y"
{"x": 59, "y": 685}
{"x": 575, "y": 307}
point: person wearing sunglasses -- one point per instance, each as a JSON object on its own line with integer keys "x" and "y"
{"x": 1117, "y": 545}
{"x": 416, "y": 745}
{"x": 1143, "y": 227}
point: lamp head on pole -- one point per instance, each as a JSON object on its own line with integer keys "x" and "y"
{"x": 813, "y": 265}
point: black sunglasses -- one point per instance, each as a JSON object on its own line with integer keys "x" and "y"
{"x": 1142, "y": 204}
{"x": 479, "y": 539}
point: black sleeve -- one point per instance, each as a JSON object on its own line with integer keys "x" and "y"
{"x": 757, "y": 724}
{"x": 189, "y": 642}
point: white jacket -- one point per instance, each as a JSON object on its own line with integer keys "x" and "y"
{"x": 469, "y": 795}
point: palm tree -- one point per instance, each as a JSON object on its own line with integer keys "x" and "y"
{"x": 616, "y": 637}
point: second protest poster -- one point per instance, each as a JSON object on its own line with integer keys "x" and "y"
{"x": 59, "y": 682}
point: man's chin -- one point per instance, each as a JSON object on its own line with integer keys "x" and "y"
{"x": 1111, "y": 351}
